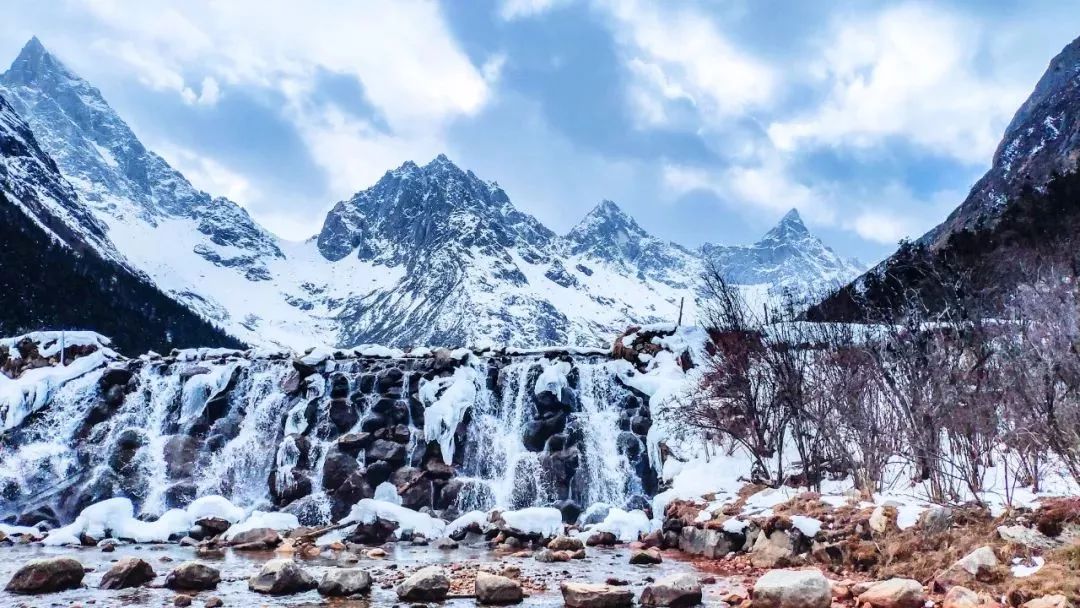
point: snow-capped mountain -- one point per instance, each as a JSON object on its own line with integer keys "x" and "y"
{"x": 58, "y": 267}
{"x": 470, "y": 268}
{"x": 788, "y": 258}
{"x": 609, "y": 236}
{"x": 1042, "y": 139}
{"x": 430, "y": 254}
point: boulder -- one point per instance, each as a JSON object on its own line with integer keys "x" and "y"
{"x": 972, "y": 566}
{"x": 936, "y": 519}
{"x": 548, "y": 556}
{"x": 429, "y": 584}
{"x": 446, "y": 543}
{"x": 1028, "y": 537}
{"x": 128, "y": 572}
{"x": 565, "y": 543}
{"x": 589, "y": 595}
{"x": 46, "y": 576}
{"x": 392, "y": 452}
{"x": 352, "y": 443}
{"x": 281, "y": 577}
{"x": 645, "y": 557}
{"x": 960, "y": 597}
{"x": 212, "y": 526}
{"x": 376, "y": 532}
{"x": 193, "y": 576}
{"x": 677, "y": 591}
{"x": 492, "y": 589}
{"x": 894, "y": 593}
{"x": 792, "y": 589}
{"x": 601, "y": 539}
{"x": 343, "y": 582}
{"x": 882, "y": 519}
{"x": 775, "y": 550}
{"x": 256, "y": 539}
{"x": 710, "y": 543}
{"x": 1048, "y": 601}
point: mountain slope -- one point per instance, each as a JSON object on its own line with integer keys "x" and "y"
{"x": 58, "y": 269}
{"x": 1041, "y": 143}
{"x": 1042, "y": 139}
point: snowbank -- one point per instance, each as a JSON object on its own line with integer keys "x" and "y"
{"x": 115, "y": 518}
{"x": 368, "y": 510}
{"x": 545, "y": 521}
{"x": 263, "y": 519}
{"x": 627, "y": 526}
{"x": 472, "y": 518}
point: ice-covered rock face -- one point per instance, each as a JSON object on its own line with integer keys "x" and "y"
{"x": 788, "y": 257}
{"x": 114, "y": 173}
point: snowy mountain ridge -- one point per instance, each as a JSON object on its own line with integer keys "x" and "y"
{"x": 430, "y": 254}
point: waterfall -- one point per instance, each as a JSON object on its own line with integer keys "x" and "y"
{"x": 452, "y": 434}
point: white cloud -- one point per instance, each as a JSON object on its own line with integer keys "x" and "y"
{"x": 910, "y": 71}
{"x": 764, "y": 186}
{"x": 209, "y": 175}
{"x": 680, "y": 54}
{"x": 413, "y": 72}
{"x": 510, "y": 10}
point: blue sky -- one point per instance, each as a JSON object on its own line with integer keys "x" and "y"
{"x": 706, "y": 120}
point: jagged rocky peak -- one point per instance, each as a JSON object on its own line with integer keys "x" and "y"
{"x": 124, "y": 183}
{"x": 35, "y": 64}
{"x": 413, "y": 209}
{"x": 1043, "y": 139}
{"x": 608, "y": 233}
{"x": 788, "y": 257}
{"x": 789, "y": 228}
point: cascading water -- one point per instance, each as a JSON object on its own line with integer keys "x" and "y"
{"x": 451, "y": 433}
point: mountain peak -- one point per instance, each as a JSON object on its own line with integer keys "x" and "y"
{"x": 789, "y": 227}
{"x": 35, "y": 61}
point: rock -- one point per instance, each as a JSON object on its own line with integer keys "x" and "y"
{"x": 565, "y": 543}
{"x": 376, "y": 532}
{"x": 960, "y": 597}
{"x": 589, "y": 595}
{"x": 212, "y": 526}
{"x": 446, "y": 543}
{"x": 1029, "y": 537}
{"x": 257, "y": 539}
{"x": 894, "y": 593}
{"x": 645, "y": 557}
{"x": 548, "y": 556}
{"x": 879, "y": 520}
{"x": 46, "y": 576}
{"x": 352, "y": 443}
{"x": 182, "y": 600}
{"x": 936, "y": 519}
{"x": 193, "y": 576}
{"x": 343, "y": 582}
{"x": 1048, "y": 601}
{"x": 281, "y": 577}
{"x": 709, "y": 543}
{"x": 429, "y": 584}
{"x": 213, "y": 602}
{"x": 391, "y": 452}
{"x": 773, "y": 551}
{"x": 602, "y": 539}
{"x": 677, "y": 591}
{"x": 970, "y": 567}
{"x": 494, "y": 589}
{"x": 128, "y": 572}
{"x": 792, "y": 589}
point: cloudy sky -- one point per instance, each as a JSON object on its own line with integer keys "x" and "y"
{"x": 706, "y": 120}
